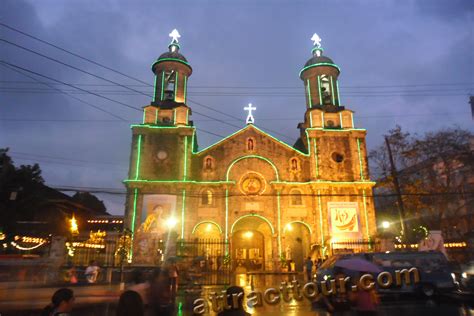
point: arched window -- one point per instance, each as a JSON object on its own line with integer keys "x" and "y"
{"x": 294, "y": 164}
{"x": 250, "y": 144}
{"x": 296, "y": 197}
{"x": 326, "y": 89}
{"x": 207, "y": 197}
{"x": 208, "y": 163}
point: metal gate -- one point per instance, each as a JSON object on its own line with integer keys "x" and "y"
{"x": 203, "y": 262}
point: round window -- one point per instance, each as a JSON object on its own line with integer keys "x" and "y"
{"x": 337, "y": 157}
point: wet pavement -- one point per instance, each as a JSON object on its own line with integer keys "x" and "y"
{"x": 101, "y": 300}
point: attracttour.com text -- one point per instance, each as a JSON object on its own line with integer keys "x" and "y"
{"x": 293, "y": 290}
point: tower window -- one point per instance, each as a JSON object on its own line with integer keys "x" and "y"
{"x": 208, "y": 163}
{"x": 169, "y": 84}
{"x": 294, "y": 164}
{"x": 207, "y": 197}
{"x": 326, "y": 89}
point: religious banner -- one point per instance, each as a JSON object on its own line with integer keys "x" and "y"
{"x": 343, "y": 217}
{"x": 150, "y": 241}
{"x": 157, "y": 209}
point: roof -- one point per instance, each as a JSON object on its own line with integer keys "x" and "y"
{"x": 174, "y": 55}
{"x": 318, "y": 60}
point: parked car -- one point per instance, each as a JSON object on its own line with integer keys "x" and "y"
{"x": 436, "y": 275}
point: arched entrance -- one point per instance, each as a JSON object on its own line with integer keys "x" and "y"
{"x": 296, "y": 243}
{"x": 251, "y": 243}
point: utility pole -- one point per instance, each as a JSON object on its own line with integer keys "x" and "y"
{"x": 471, "y": 101}
{"x": 393, "y": 169}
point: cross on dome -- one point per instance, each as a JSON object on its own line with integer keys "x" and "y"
{"x": 174, "y": 36}
{"x": 250, "y": 118}
{"x": 317, "y": 40}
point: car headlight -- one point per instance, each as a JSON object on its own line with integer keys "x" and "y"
{"x": 453, "y": 276}
{"x": 464, "y": 275}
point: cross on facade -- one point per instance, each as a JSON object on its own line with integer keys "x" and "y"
{"x": 250, "y": 118}
{"x": 316, "y": 40}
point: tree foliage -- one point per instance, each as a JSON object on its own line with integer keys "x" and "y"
{"x": 434, "y": 172}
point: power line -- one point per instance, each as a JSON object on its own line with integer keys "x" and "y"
{"x": 71, "y": 53}
{"x": 68, "y": 94}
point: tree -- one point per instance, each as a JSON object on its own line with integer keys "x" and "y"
{"x": 433, "y": 172}
{"x": 90, "y": 201}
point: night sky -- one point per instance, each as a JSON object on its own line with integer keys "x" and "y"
{"x": 402, "y": 62}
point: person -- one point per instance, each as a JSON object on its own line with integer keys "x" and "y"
{"x": 61, "y": 304}
{"x": 140, "y": 285}
{"x": 92, "y": 272}
{"x": 130, "y": 304}
{"x": 365, "y": 301}
{"x": 309, "y": 268}
{"x": 173, "y": 273}
{"x": 237, "y": 310}
{"x": 160, "y": 293}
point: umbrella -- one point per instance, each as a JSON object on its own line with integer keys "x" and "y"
{"x": 357, "y": 264}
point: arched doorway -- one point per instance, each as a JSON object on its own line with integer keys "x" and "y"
{"x": 251, "y": 243}
{"x": 296, "y": 243}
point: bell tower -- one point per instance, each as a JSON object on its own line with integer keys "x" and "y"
{"x": 172, "y": 71}
{"x": 323, "y": 103}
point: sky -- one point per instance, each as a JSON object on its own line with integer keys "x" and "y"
{"x": 407, "y": 63}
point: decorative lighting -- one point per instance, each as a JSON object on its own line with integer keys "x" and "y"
{"x": 248, "y": 234}
{"x": 171, "y": 222}
{"x": 73, "y": 226}
{"x": 385, "y": 224}
{"x": 208, "y": 227}
{"x": 289, "y": 227}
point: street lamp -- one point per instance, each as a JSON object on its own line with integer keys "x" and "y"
{"x": 385, "y": 224}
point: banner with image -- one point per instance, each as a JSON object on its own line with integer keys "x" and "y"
{"x": 156, "y": 210}
{"x": 343, "y": 217}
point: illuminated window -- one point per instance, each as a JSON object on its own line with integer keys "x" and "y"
{"x": 296, "y": 197}
{"x": 325, "y": 89}
{"x": 206, "y": 197}
{"x": 170, "y": 80}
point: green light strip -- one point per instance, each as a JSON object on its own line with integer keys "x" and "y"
{"x": 137, "y": 166}
{"x": 187, "y": 118}
{"x": 176, "y": 86}
{"x": 179, "y": 181}
{"x": 299, "y": 222}
{"x": 319, "y": 91}
{"x": 319, "y": 64}
{"x": 185, "y": 167}
{"x": 169, "y": 59}
{"x": 204, "y": 222}
{"x": 183, "y": 207}
{"x": 258, "y": 129}
{"x": 360, "y": 160}
{"x": 334, "y": 130}
{"x": 308, "y": 88}
{"x": 174, "y": 116}
{"x": 352, "y": 119}
{"x": 311, "y": 119}
{"x": 321, "y": 220}
{"x": 132, "y": 228}
{"x": 322, "y": 120}
{"x": 252, "y": 156}
{"x": 338, "y": 96}
{"x": 366, "y": 218}
{"x": 332, "y": 91}
{"x": 316, "y": 160}
{"x": 252, "y": 215}
{"x": 226, "y": 217}
{"x": 144, "y": 115}
{"x": 156, "y": 116}
{"x": 279, "y": 223}
{"x": 162, "y": 85}
{"x": 324, "y": 182}
{"x": 154, "y": 88}
{"x": 185, "y": 87}
{"x": 340, "y": 119}
{"x": 159, "y": 127}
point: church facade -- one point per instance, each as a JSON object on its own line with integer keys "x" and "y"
{"x": 266, "y": 200}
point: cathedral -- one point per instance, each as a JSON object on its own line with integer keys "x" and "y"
{"x": 267, "y": 201}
